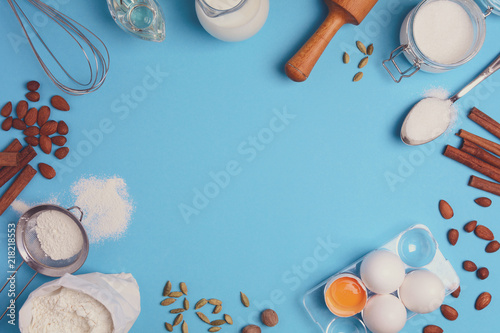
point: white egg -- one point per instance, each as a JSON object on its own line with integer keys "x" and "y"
{"x": 384, "y": 314}
{"x": 382, "y": 271}
{"x": 422, "y": 291}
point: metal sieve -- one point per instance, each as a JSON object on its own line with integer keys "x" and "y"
{"x": 31, "y": 251}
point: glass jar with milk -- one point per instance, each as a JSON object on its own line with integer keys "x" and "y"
{"x": 232, "y": 20}
{"x": 440, "y": 35}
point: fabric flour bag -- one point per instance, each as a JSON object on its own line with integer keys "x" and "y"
{"x": 74, "y": 303}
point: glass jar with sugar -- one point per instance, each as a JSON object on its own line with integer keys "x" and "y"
{"x": 440, "y": 35}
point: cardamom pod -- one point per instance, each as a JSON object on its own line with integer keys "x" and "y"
{"x": 214, "y": 329}
{"x": 363, "y": 62}
{"x": 346, "y": 58}
{"x": 177, "y": 310}
{"x": 361, "y": 47}
{"x": 369, "y": 50}
{"x": 184, "y": 288}
{"x": 178, "y": 319}
{"x": 186, "y": 304}
{"x": 228, "y": 319}
{"x": 184, "y": 327}
{"x": 358, "y": 76}
{"x": 167, "y": 288}
{"x": 203, "y": 317}
{"x": 244, "y": 299}
{"x": 217, "y": 309}
{"x": 168, "y": 301}
{"x": 175, "y": 294}
{"x": 217, "y": 322}
{"x": 214, "y": 301}
{"x": 169, "y": 327}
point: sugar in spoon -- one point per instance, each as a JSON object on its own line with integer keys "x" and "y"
{"x": 422, "y": 125}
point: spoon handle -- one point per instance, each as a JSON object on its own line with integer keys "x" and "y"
{"x": 492, "y": 68}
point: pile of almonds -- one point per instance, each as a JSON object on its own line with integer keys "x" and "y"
{"x": 269, "y": 317}
{"x": 482, "y": 232}
{"x": 38, "y": 128}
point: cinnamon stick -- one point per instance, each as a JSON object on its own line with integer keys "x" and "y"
{"x": 9, "y": 159}
{"x": 481, "y": 142}
{"x": 472, "y": 162}
{"x": 16, "y": 188}
{"x": 485, "y": 185}
{"x": 26, "y": 155}
{"x": 14, "y": 147}
{"x": 485, "y": 121}
{"x": 480, "y": 153}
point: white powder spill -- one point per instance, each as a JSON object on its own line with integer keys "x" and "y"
{"x": 67, "y": 310}
{"x": 59, "y": 236}
{"x": 106, "y": 204}
{"x": 20, "y": 207}
{"x": 443, "y": 31}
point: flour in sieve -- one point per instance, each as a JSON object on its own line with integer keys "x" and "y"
{"x": 69, "y": 311}
{"x": 59, "y": 236}
{"x": 106, "y": 204}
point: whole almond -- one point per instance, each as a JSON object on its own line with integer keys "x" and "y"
{"x": 484, "y": 233}
{"x": 453, "y": 236}
{"x": 251, "y": 329}
{"x": 62, "y": 153}
{"x": 175, "y": 294}
{"x": 202, "y": 316}
{"x": 492, "y": 246}
{"x": 18, "y": 124}
{"x": 31, "y": 131}
{"x": 6, "y": 110}
{"x": 49, "y": 128}
{"x": 32, "y": 140}
{"x": 244, "y": 300}
{"x": 201, "y": 303}
{"x": 483, "y": 202}
{"x": 168, "y": 286}
{"x": 59, "y": 140}
{"x": 46, "y": 170}
{"x": 483, "y": 301}
{"x": 43, "y": 115}
{"x": 186, "y": 304}
{"x": 433, "y": 329}
{"x": 483, "y": 273}
{"x": 7, "y": 123}
{"x": 214, "y": 329}
{"x": 179, "y": 310}
{"x": 45, "y": 144}
{"x": 217, "y": 309}
{"x": 59, "y": 103}
{"x": 470, "y": 226}
{"x": 357, "y": 77}
{"x": 33, "y": 96}
{"x": 169, "y": 327}
{"x": 369, "y": 49}
{"x": 184, "y": 327}
{"x": 269, "y": 318}
{"x": 168, "y": 301}
{"x": 178, "y": 319}
{"x": 228, "y": 319}
{"x": 217, "y": 322}
{"x": 445, "y": 209}
{"x": 361, "y": 47}
{"x": 31, "y": 116}
{"x": 183, "y": 287}
{"x": 469, "y": 266}
{"x": 21, "y": 109}
{"x": 449, "y": 312}
{"x": 33, "y": 85}
{"x": 456, "y": 293}
{"x": 214, "y": 301}
{"x": 62, "y": 128}
{"x": 363, "y": 62}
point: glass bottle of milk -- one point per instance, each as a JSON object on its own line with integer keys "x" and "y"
{"x": 232, "y": 20}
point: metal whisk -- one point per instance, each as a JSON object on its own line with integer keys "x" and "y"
{"x": 98, "y": 62}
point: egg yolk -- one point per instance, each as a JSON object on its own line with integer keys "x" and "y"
{"x": 345, "y": 297}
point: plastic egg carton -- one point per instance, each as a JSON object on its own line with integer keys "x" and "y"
{"x": 314, "y": 299}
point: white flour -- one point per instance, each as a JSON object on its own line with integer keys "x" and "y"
{"x": 59, "y": 236}
{"x": 68, "y": 311}
{"x": 106, "y": 205}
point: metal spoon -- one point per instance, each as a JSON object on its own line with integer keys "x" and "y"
{"x": 492, "y": 68}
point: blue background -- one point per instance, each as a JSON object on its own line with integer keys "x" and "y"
{"x": 321, "y": 179}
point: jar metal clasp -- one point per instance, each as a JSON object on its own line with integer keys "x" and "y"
{"x": 402, "y": 73}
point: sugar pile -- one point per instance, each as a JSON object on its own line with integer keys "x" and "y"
{"x": 106, "y": 204}
{"x": 59, "y": 236}
{"x": 67, "y": 310}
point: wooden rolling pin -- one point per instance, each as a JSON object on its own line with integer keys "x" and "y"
{"x": 9, "y": 159}
{"x": 341, "y": 12}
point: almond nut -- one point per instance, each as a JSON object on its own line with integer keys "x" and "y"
{"x": 484, "y": 233}
{"x": 433, "y": 329}
{"x": 449, "y": 312}
{"x": 33, "y": 86}
{"x": 6, "y": 110}
{"x": 483, "y": 301}
{"x": 31, "y": 140}
{"x": 492, "y": 246}
{"x": 483, "y": 202}
{"x": 49, "y": 128}
{"x": 7, "y": 124}
{"x": 31, "y": 131}
{"x": 59, "y": 103}
{"x": 45, "y": 144}
{"x": 445, "y": 209}
{"x": 483, "y": 273}
{"x": 18, "y": 124}
{"x": 453, "y": 236}
{"x": 46, "y": 170}
{"x": 59, "y": 140}
{"x": 251, "y": 329}
{"x": 469, "y": 266}
{"x": 470, "y": 226}
{"x": 31, "y": 116}
{"x": 33, "y": 96}
{"x": 43, "y": 115}
{"x": 456, "y": 293}
{"x": 62, "y": 128}
{"x": 269, "y": 318}
{"x": 21, "y": 109}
